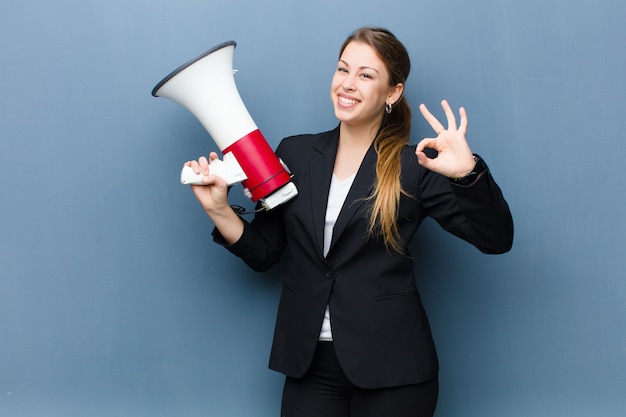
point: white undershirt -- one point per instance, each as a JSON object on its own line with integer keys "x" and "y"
{"x": 336, "y": 197}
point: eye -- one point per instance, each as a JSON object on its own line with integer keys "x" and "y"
{"x": 367, "y": 76}
{"x": 342, "y": 69}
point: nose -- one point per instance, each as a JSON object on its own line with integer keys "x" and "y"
{"x": 348, "y": 83}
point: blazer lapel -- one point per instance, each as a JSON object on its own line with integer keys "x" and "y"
{"x": 321, "y": 170}
{"x": 361, "y": 188}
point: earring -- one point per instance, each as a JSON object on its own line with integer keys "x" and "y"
{"x": 388, "y": 108}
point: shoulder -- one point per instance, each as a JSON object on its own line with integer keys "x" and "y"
{"x": 415, "y": 177}
{"x": 310, "y": 139}
{"x": 300, "y": 145}
{"x": 409, "y": 159}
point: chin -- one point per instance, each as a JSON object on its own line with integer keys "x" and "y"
{"x": 342, "y": 115}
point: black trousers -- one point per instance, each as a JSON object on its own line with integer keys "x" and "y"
{"x": 325, "y": 391}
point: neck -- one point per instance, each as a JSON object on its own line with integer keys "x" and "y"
{"x": 353, "y": 145}
{"x": 357, "y": 136}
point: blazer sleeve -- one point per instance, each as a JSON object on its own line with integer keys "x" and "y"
{"x": 477, "y": 213}
{"x": 262, "y": 243}
{"x": 263, "y": 240}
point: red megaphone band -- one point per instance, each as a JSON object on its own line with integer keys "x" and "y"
{"x": 264, "y": 170}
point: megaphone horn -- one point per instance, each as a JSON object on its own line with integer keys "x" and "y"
{"x": 206, "y": 87}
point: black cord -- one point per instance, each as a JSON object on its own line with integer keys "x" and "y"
{"x": 242, "y": 211}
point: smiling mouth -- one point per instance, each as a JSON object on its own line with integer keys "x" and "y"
{"x": 347, "y": 101}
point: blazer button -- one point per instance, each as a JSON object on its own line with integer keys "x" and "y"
{"x": 329, "y": 274}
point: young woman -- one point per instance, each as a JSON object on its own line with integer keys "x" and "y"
{"x": 351, "y": 334}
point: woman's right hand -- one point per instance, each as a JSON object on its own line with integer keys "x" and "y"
{"x": 213, "y": 196}
{"x": 213, "y": 193}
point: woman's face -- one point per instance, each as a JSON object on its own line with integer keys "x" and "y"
{"x": 360, "y": 87}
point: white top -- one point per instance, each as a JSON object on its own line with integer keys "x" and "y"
{"x": 336, "y": 197}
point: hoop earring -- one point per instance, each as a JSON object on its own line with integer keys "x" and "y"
{"x": 388, "y": 108}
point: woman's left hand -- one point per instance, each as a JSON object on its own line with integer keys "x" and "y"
{"x": 454, "y": 159}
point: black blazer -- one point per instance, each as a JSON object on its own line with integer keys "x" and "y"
{"x": 380, "y": 330}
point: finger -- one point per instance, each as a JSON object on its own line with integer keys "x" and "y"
{"x": 214, "y": 180}
{"x": 213, "y": 155}
{"x": 195, "y": 166}
{"x": 463, "y": 125}
{"x": 219, "y": 181}
{"x": 204, "y": 165}
{"x": 424, "y": 160}
{"x": 426, "y": 143}
{"x": 432, "y": 120}
{"x": 449, "y": 114}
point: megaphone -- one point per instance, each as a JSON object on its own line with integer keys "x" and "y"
{"x": 206, "y": 87}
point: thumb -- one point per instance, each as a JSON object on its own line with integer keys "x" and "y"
{"x": 423, "y": 159}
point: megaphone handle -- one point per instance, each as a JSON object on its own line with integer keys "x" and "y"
{"x": 228, "y": 169}
{"x": 189, "y": 177}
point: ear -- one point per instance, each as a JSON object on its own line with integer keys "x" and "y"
{"x": 395, "y": 93}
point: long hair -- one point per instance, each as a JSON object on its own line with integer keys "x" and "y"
{"x": 393, "y": 136}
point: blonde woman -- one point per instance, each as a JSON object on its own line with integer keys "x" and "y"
{"x": 351, "y": 334}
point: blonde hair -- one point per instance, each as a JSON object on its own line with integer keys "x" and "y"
{"x": 393, "y": 136}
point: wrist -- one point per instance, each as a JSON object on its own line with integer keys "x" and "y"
{"x": 472, "y": 176}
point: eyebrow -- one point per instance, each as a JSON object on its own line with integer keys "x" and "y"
{"x": 361, "y": 67}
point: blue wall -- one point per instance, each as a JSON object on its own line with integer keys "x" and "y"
{"x": 113, "y": 299}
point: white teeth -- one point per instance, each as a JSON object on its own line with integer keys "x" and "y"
{"x": 347, "y": 101}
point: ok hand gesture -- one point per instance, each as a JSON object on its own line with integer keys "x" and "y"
{"x": 455, "y": 159}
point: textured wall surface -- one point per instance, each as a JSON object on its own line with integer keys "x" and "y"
{"x": 115, "y": 302}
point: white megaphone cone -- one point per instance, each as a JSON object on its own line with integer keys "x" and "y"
{"x": 206, "y": 87}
